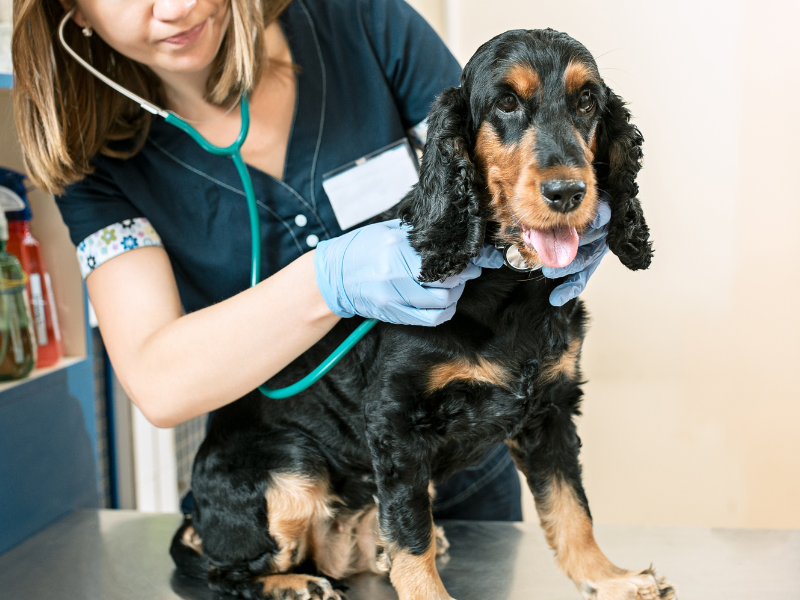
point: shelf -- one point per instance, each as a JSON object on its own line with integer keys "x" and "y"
{"x": 37, "y": 373}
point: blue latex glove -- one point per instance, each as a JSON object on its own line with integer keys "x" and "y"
{"x": 591, "y": 249}
{"x": 372, "y": 272}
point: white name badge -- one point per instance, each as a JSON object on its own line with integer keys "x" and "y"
{"x": 372, "y": 184}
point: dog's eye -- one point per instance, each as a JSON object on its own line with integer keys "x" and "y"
{"x": 585, "y": 103}
{"x": 508, "y": 103}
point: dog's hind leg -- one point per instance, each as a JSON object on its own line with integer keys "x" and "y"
{"x": 297, "y": 505}
{"x": 547, "y": 452}
{"x": 261, "y": 501}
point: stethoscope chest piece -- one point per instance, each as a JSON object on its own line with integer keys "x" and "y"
{"x": 513, "y": 260}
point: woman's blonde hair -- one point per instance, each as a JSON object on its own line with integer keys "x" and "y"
{"x": 65, "y": 115}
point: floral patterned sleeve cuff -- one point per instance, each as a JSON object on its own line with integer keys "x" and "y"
{"x": 114, "y": 240}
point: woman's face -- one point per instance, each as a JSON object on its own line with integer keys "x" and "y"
{"x": 169, "y": 36}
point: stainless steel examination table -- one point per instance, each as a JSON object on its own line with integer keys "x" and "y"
{"x": 110, "y": 555}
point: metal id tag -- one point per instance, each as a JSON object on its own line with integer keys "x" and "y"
{"x": 372, "y": 184}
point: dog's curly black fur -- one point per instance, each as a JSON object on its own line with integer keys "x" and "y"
{"x": 291, "y": 487}
{"x": 619, "y": 161}
{"x": 446, "y": 207}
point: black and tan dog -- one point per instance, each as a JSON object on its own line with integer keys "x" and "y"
{"x": 335, "y": 482}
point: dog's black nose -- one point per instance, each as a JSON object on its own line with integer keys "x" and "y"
{"x": 564, "y": 196}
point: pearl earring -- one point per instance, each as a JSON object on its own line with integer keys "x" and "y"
{"x": 87, "y": 31}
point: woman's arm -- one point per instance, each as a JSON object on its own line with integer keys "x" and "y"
{"x": 174, "y": 366}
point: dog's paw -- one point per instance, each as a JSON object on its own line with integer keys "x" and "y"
{"x": 298, "y": 587}
{"x": 442, "y": 545}
{"x": 321, "y": 589}
{"x": 641, "y": 585}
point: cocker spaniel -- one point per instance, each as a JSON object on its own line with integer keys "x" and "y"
{"x": 292, "y": 494}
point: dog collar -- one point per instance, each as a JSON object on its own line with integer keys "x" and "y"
{"x": 513, "y": 260}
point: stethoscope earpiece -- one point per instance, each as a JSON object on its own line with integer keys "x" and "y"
{"x": 148, "y": 106}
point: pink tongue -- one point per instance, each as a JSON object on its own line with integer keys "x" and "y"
{"x": 556, "y": 248}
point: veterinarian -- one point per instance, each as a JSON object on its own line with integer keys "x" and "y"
{"x": 329, "y": 82}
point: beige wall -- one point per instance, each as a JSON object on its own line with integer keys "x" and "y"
{"x": 692, "y": 412}
{"x": 435, "y": 11}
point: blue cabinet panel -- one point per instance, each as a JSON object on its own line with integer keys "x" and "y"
{"x": 47, "y": 451}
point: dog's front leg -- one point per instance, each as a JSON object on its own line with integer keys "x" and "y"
{"x": 547, "y": 452}
{"x": 405, "y": 520}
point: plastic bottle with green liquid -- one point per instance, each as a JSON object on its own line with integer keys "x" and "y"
{"x": 17, "y": 342}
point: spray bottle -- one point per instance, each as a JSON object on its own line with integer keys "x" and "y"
{"x": 17, "y": 342}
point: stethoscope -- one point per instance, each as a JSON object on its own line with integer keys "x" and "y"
{"x": 514, "y": 261}
{"x": 234, "y": 152}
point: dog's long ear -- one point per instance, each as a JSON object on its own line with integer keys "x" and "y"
{"x": 618, "y": 159}
{"x": 444, "y": 208}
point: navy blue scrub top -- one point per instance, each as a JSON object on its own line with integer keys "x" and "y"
{"x": 370, "y": 70}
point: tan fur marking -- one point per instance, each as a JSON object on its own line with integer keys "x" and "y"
{"x": 367, "y": 543}
{"x": 296, "y": 505}
{"x": 432, "y": 491}
{"x": 515, "y": 183}
{"x": 592, "y": 144}
{"x": 589, "y": 148}
{"x": 516, "y": 454}
{"x": 192, "y": 540}
{"x": 462, "y": 369}
{"x": 442, "y": 543}
{"x": 576, "y": 75}
{"x": 303, "y": 523}
{"x": 415, "y": 577}
{"x": 346, "y": 545}
{"x": 568, "y": 530}
{"x": 565, "y": 365}
{"x": 524, "y": 80}
{"x": 292, "y": 581}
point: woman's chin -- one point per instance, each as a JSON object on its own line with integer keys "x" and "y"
{"x": 174, "y": 63}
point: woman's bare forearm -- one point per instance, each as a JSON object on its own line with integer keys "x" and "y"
{"x": 187, "y": 365}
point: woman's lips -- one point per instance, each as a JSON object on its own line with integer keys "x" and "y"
{"x": 188, "y": 36}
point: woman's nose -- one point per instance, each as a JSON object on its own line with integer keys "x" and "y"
{"x": 172, "y": 10}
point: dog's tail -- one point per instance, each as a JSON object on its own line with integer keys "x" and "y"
{"x": 187, "y": 551}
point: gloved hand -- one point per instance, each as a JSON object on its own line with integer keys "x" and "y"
{"x": 372, "y": 272}
{"x": 591, "y": 249}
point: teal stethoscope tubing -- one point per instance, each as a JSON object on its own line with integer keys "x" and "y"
{"x": 234, "y": 152}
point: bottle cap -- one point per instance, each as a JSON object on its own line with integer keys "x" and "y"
{"x": 13, "y": 198}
